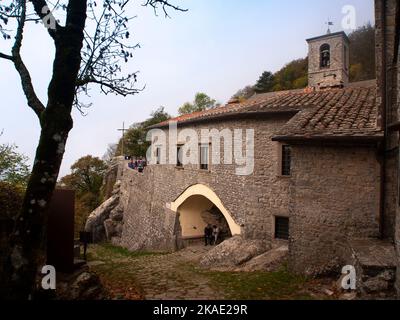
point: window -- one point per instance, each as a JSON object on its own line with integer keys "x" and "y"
{"x": 158, "y": 155}
{"x": 325, "y": 52}
{"x": 204, "y": 157}
{"x": 345, "y": 58}
{"x": 282, "y": 228}
{"x": 179, "y": 156}
{"x": 286, "y": 160}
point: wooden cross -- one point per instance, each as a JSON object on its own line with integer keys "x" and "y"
{"x": 123, "y": 138}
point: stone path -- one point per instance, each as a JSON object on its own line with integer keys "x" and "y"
{"x": 171, "y": 277}
{"x": 177, "y": 276}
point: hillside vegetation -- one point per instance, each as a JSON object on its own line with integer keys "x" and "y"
{"x": 294, "y": 75}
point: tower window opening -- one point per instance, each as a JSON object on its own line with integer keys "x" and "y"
{"x": 325, "y": 53}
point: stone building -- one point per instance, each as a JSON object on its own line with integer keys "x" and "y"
{"x": 311, "y": 170}
{"x": 387, "y": 14}
{"x": 329, "y": 57}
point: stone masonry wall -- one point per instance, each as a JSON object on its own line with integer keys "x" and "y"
{"x": 329, "y": 204}
{"x": 324, "y": 77}
{"x": 252, "y": 200}
{"x": 388, "y": 29}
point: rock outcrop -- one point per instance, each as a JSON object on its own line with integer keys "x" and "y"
{"x": 81, "y": 285}
{"x": 112, "y": 175}
{"x": 233, "y": 253}
{"x": 106, "y": 222}
{"x": 270, "y": 261}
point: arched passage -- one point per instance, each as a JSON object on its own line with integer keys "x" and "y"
{"x": 198, "y": 206}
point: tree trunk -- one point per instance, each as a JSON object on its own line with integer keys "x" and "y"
{"x": 27, "y": 253}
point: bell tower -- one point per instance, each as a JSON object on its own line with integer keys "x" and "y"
{"x": 328, "y": 61}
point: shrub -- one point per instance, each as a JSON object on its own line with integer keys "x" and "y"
{"x": 11, "y": 197}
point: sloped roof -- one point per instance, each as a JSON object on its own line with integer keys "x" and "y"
{"x": 341, "y": 113}
{"x": 350, "y": 111}
{"x": 253, "y": 104}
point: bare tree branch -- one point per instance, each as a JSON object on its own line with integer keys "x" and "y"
{"x": 164, "y": 4}
{"x": 6, "y": 56}
{"x": 26, "y": 81}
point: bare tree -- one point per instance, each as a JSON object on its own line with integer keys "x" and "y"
{"x": 91, "y": 41}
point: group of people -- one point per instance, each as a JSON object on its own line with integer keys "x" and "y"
{"x": 138, "y": 165}
{"x": 211, "y": 235}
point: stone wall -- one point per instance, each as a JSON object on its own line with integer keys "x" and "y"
{"x": 338, "y": 72}
{"x": 252, "y": 200}
{"x": 387, "y": 35}
{"x": 387, "y": 93}
{"x": 334, "y": 198}
{"x": 397, "y": 230}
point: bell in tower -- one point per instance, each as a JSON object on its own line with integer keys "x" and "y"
{"x": 328, "y": 61}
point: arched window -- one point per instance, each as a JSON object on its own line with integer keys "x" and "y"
{"x": 325, "y": 53}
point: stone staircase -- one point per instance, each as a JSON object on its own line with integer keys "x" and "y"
{"x": 375, "y": 264}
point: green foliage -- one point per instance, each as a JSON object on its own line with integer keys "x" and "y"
{"x": 11, "y": 197}
{"x": 201, "y": 102}
{"x": 86, "y": 180}
{"x": 13, "y": 167}
{"x": 87, "y": 175}
{"x": 294, "y": 75}
{"x": 265, "y": 83}
{"x": 362, "y": 54}
{"x": 135, "y": 138}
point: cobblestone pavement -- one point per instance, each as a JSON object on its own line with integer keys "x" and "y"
{"x": 177, "y": 276}
{"x": 171, "y": 277}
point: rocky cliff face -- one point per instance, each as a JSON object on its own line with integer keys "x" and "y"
{"x": 113, "y": 174}
{"x": 106, "y": 222}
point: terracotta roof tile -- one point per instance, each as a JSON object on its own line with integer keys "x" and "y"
{"x": 351, "y": 111}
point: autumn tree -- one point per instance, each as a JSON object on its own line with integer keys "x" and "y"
{"x": 201, "y": 102}
{"x": 245, "y": 93}
{"x": 86, "y": 179}
{"x": 91, "y": 40}
{"x": 294, "y": 75}
{"x": 362, "y": 53}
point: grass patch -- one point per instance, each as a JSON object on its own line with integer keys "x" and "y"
{"x": 107, "y": 251}
{"x": 279, "y": 285}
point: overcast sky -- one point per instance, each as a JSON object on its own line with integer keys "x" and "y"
{"x": 217, "y": 47}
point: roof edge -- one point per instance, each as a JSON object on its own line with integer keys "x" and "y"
{"x": 235, "y": 115}
{"x": 342, "y": 33}
{"x": 331, "y": 138}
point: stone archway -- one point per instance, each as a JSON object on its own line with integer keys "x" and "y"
{"x": 199, "y": 206}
